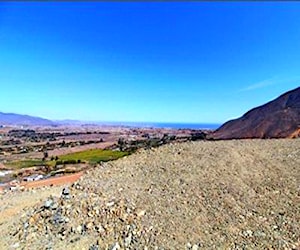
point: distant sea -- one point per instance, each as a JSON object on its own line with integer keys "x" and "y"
{"x": 187, "y": 125}
{"x": 165, "y": 125}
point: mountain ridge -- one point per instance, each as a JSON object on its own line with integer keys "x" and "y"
{"x": 20, "y": 119}
{"x": 278, "y": 118}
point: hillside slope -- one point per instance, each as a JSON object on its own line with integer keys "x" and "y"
{"x": 206, "y": 194}
{"x": 279, "y": 118}
{"x": 16, "y": 119}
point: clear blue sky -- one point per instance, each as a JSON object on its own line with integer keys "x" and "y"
{"x": 146, "y": 62}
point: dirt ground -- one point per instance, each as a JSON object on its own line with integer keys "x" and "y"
{"x": 239, "y": 194}
{"x": 54, "y": 181}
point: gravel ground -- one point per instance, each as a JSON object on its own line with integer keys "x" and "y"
{"x": 239, "y": 194}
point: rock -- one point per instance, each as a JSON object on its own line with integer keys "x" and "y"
{"x": 188, "y": 246}
{"x": 94, "y": 247}
{"x": 248, "y": 233}
{"x": 75, "y": 239}
{"x": 48, "y": 203}
{"x": 16, "y": 245}
{"x": 26, "y": 225}
{"x": 79, "y": 229}
{"x": 58, "y": 218}
{"x": 100, "y": 229}
{"x": 116, "y": 246}
{"x": 66, "y": 193}
{"x": 110, "y": 204}
{"x": 127, "y": 240}
{"x": 195, "y": 247}
{"x": 140, "y": 212}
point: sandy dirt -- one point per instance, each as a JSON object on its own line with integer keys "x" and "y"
{"x": 14, "y": 203}
{"x": 54, "y": 181}
{"x": 211, "y": 195}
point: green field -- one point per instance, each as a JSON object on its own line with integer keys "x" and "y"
{"x": 28, "y": 163}
{"x": 91, "y": 156}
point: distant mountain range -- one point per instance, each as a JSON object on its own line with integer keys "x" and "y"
{"x": 279, "y": 118}
{"x": 16, "y": 119}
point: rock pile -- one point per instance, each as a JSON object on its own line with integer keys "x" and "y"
{"x": 114, "y": 224}
{"x": 198, "y": 195}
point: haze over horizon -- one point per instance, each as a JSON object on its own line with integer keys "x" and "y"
{"x": 187, "y": 62}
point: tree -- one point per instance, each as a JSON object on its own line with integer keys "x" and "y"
{"x": 121, "y": 144}
{"x": 45, "y": 155}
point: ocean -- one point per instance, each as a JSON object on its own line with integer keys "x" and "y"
{"x": 187, "y": 125}
{"x": 165, "y": 125}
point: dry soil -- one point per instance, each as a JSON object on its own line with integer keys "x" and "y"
{"x": 239, "y": 194}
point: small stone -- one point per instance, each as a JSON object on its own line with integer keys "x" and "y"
{"x": 58, "y": 218}
{"x": 94, "y": 247}
{"x": 110, "y": 204}
{"x": 26, "y": 225}
{"x": 48, "y": 203}
{"x": 62, "y": 235}
{"x": 248, "y": 233}
{"x": 54, "y": 206}
{"x": 100, "y": 229}
{"x": 195, "y": 247}
{"x": 116, "y": 246}
{"x": 140, "y": 212}
{"x": 66, "y": 193}
{"x": 127, "y": 240}
{"x": 79, "y": 229}
{"x": 75, "y": 239}
{"x": 16, "y": 245}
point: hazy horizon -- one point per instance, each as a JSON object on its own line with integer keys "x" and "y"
{"x": 125, "y": 123}
{"x": 146, "y": 62}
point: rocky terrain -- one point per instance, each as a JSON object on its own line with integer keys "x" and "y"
{"x": 279, "y": 118}
{"x": 238, "y": 194}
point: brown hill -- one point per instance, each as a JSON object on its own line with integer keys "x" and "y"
{"x": 17, "y": 119}
{"x": 279, "y": 118}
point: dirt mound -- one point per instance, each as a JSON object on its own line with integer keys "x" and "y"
{"x": 279, "y": 118}
{"x": 206, "y": 195}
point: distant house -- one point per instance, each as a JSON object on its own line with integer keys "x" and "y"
{"x": 34, "y": 177}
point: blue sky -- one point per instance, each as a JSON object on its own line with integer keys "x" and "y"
{"x": 191, "y": 62}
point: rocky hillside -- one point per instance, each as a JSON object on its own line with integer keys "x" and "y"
{"x": 16, "y": 119}
{"x": 197, "y": 195}
{"x": 279, "y": 118}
